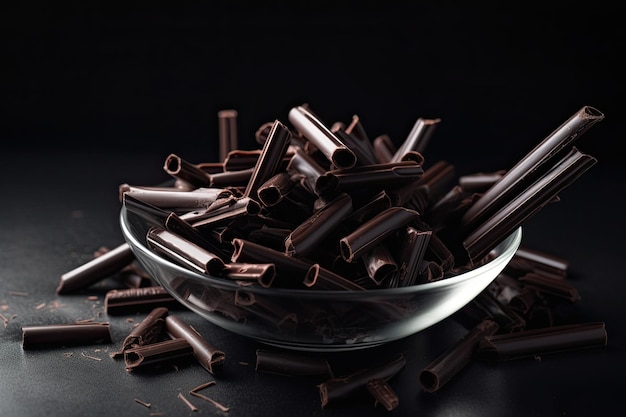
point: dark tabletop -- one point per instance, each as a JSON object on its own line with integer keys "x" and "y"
{"x": 96, "y": 97}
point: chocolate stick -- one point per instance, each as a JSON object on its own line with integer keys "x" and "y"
{"x": 96, "y": 269}
{"x": 543, "y": 341}
{"x": 383, "y": 393}
{"x": 322, "y": 278}
{"x": 65, "y": 334}
{"x": 227, "y": 127}
{"x": 337, "y": 388}
{"x": 270, "y": 159}
{"x": 131, "y": 300}
{"x": 307, "y": 236}
{"x": 513, "y": 214}
{"x": 418, "y": 138}
{"x": 312, "y": 128}
{"x": 207, "y": 355}
{"x": 157, "y": 352}
{"x": 372, "y": 232}
{"x": 441, "y": 370}
{"x": 184, "y": 170}
{"x": 263, "y": 274}
{"x": 414, "y": 245}
{"x": 148, "y": 331}
{"x": 184, "y": 251}
{"x": 174, "y": 198}
{"x": 531, "y": 166}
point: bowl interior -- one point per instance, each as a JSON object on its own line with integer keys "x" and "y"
{"x": 309, "y": 319}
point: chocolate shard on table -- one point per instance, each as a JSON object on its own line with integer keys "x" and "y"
{"x": 96, "y": 269}
{"x": 340, "y": 387}
{"x": 542, "y": 341}
{"x": 71, "y": 334}
{"x": 133, "y": 300}
{"x": 149, "y": 330}
{"x": 156, "y": 353}
{"x": 286, "y": 363}
{"x": 454, "y": 359}
{"x": 210, "y": 357}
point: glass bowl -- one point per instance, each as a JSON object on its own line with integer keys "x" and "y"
{"x": 316, "y": 320}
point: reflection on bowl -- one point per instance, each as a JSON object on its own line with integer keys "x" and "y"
{"x": 316, "y": 320}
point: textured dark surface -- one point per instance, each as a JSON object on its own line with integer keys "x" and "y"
{"x": 94, "y": 97}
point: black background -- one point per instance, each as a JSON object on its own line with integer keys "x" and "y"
{"x": 152, "y": 76}
{"x": 94, "y": 95}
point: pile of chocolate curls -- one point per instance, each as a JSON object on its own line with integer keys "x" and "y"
{"x": 329, "y": 195}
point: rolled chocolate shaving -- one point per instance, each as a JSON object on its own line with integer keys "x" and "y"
{"x": 368, "y": 176}
{"x": 338, "y": 388}
{"x": 384, "y": 148}
{"x": 487, "y": 306}
{"x": 291, "y": 364}
{"x": 418, "y": 138}
{"x": 263, "y": 274}
{"x": 379, "y": 263}
{"x": 173, "y": 198}
{"x": 181, "y": 227}
{"x": 275, "y": 189}
{"x": 227, "y": 129}
{"x": 496, "y": 228}
{"x": 269, "y": 161}
{"x": 414, "y": 245}
{"x": 452, "y": 360}
{"x": 314, "y": 130}
{"x": 479, "y": 182}
{"x": 546, "y": 284}
{"x": 306, "y": 167}
{"x": 307, "y": 236}
{"x": 157, "y": 353}
{"x": 232, "y": 179}
{"x": 362, "y": 150}
{"x": 543, "y": 341}
{"x": 238, "y": 159}
{"x": 184, "y": 252}
{"x": 72, "y": 334}
{"x": 383, "y": 393}
{"x": 184, "y": 170}
{"x": 96, "y": 269}
{"x": 131, "y": 300}
{"x": 222, "y": 212}
{"x": 148, "y": 331}
{"x": 530, "y": 259}
{"x": 322, "y": 278}
{"x": 207, "y": 355}
{"x": 375, "y": 230}
{"x": 531, "y": 167}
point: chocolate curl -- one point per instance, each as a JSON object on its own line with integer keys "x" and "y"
{"x": 532, "y": 260}
{"x": 184, "y": 252}
{"x": 543, "y": 341}
{"x": 502, "y": 223}
{"x": 414, "y": 245}
{"x": 546, "y": 284}
{"x": 173, "y": 198}
{"x": 384, "y": 148}
{"x": 319, "y": 277}
{"x": 487, "y": 306}
{"x": 532, "y": 166}
{"x": 263, "y": 274}
{"x": 418, "y": 138}
{"x": 96, "y": 269}
{"x": 383, "y": 393}
{"x": 180, "y": 227}
{"x": 312, "y": 128}
{"x": 207, "y": 355}
{"x": 367, "y": 177}
{"x": 291, "y": 364}
{"x": 307, "y": 236}
{"x": 153, "y": 215}
{"x": 375, "y": 230}
{"x": 441, "y": 370}
{"x": 184, "y": 170}
{"x": 238, "y": 159}
{"x": 286, "y": 266}
{"x": 148, "y": 331}
{"x": 222, "y": 212}
{"x": 271, "y": 156}
{"x": 338, "y": 388}
{"x": 155, "y": 353}
{"x": 306, "y": 167}
{"x": 361, "y": 149}
{"x": 65, "y": 335}
{"x": 131, "y": 300}
{"x": 479, "y": 182}
{"x": 272, "y": 191}
{"x": 227, "y": 128}
{"x": 231, "y": 179}
{"x": 379, "y": 263}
